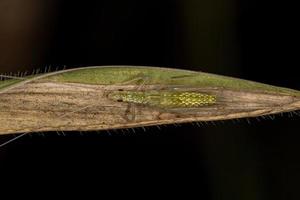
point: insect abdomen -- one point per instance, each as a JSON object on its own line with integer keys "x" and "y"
{"x": 187, "y": 99}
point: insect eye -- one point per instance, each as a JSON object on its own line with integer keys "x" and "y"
{"x": 120, "y": 100}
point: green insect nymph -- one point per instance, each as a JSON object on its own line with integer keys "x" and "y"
{"x": 164, "y": 99}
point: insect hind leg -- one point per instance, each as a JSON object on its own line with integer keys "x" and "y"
{"x": 131, "y": 108}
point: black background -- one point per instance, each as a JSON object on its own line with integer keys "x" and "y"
{"x": 256, "y": 40}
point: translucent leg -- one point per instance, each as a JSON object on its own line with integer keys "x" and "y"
{"x": 132, "y": 107}
{"x": 140, "y": 77}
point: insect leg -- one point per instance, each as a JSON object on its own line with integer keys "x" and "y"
{"x": 145, "y": 79}
{"x": 185, "y": 76}
{"x": 140, "y": 77}
{"x": 131, "y": 109}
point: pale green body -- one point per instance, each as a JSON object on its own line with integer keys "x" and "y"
{"x": 164, "y": 99}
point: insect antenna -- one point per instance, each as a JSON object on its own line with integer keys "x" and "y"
{"x": 11, "y": 77}
{"x": 23, "y": 134}
{"x": 13, "y": 139}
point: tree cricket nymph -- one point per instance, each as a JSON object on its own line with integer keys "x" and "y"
{"x": 164, "y": 99}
